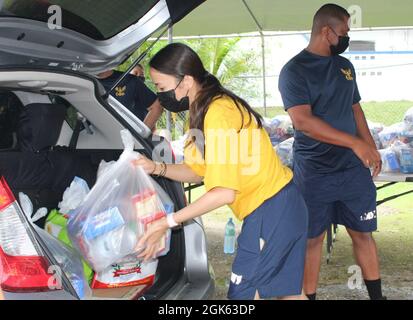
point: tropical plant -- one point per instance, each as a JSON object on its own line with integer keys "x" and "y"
{"x": 223, "y": 57}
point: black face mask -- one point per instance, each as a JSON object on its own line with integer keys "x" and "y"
{"x": 142, "y": 78}
{"x": 168, "y": 100}
{"x": 341, "y": 46}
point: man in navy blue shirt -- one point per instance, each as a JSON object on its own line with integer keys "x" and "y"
{"x": 134, "y": 95}
{"x": 333, "y": 149}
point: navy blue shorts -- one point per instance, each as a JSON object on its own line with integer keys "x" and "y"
{"x": 271, "y": 248}
{"x": 347, "y": 198}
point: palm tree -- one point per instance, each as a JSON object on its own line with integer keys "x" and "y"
{"x": 221, "y": 56}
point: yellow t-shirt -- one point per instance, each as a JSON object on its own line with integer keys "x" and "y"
{"x": 243, "y": 160}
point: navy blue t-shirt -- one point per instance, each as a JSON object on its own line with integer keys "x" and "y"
{"x": 131, "y": 92}
{"x": 328, "y": 85}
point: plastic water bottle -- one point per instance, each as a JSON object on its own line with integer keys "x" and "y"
{"x": 406, "y": 160}
{"x": 229, "y": 239}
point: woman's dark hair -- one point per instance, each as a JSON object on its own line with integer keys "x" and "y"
{"x": 179, "y": 60}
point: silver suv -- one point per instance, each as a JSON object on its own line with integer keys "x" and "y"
{"x": 49, "y": 52}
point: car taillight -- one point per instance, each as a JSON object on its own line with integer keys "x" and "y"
{"x": 24, "y": 266}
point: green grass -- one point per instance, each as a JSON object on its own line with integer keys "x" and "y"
{"x": 402, "y": 204}
{"x": 220, "y": 215}
{"x": 394, "y": 240}
{"x": 387, "y": 113}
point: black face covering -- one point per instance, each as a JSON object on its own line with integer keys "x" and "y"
{"x": 341, "y": 46}
{"x": 168, "y": 100}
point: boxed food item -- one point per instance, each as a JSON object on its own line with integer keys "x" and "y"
{"x": 390, "y": 160}
{"x": 406, "y": 160}
{"x": 129, "y": 272}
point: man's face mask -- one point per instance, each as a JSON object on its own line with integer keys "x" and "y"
{"x": 168, "y": 100}
{"x": 341, "y": 46}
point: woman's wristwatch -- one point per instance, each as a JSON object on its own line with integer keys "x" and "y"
{"x": 171, "y": 221}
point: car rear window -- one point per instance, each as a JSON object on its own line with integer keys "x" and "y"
{"x": 98, "y": 19}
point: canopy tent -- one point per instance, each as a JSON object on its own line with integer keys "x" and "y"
{"x": 229, "y": 17}
{"x": 219, "y": 17}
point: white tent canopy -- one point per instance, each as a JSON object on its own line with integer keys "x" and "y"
{"x": 218, "y": 17}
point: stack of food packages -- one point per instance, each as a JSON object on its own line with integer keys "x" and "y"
{"x": 395, "y": 144}
{"x": 281, "y": 132}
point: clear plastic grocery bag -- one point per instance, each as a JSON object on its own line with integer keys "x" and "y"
{"x": 390, "y": 160}
{"x": 285, "y": 152}
{"x": 116, "y": 213}
{"x": 73, "y": 195}
{"x": 68, "y": 260}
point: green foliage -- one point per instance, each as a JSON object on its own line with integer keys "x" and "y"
{"x": 221, "y": 56}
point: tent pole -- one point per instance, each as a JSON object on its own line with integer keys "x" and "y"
{"x": 264, "y": 80}
{"x": 168, "y": 113}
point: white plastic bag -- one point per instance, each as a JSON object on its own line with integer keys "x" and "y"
{"x": 285, "y": 152}
{"x": 375, "y": 129}
{"x": 73, "y": 195}
{"x": 104, "y": 167}
{"x": 69, "y": 261}
{"x": 279, "y": 128}
{"x": 116, "y": 213}
{"x": 408, "y": 119}
{"x": 391, "y": 134}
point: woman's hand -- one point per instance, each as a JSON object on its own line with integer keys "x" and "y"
{"x": 147, "y": 165}
{"x": 151, "y": 239}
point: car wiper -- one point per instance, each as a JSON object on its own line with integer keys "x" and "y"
{"x": 134, "y": 64}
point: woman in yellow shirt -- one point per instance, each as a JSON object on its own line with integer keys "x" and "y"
{"x": 232, "y": 154}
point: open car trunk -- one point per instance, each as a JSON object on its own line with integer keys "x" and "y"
{"x": 89, "y": 36}
{"x": 43, "y": 170}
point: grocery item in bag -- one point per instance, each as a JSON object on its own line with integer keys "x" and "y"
{"x": 390, "y": 161}
{"x": 391, "y": 134}
{"x": 129, "y": 272}
{"x": 74, "y": 195}
{"x": 406, "y": 160}
{"x": 56, "y": 225}
{"x": 285, "y": 152}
